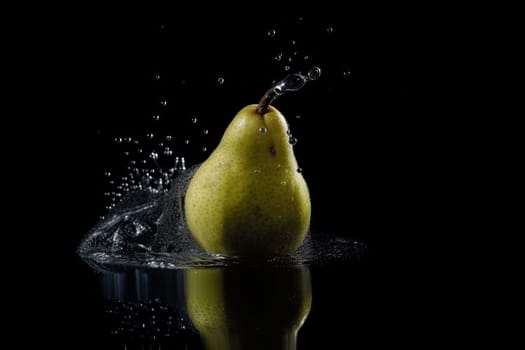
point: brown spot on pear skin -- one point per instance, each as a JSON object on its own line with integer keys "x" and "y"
{"x": 273, "y": 151}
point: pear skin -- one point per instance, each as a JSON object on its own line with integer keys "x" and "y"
{"x": 248, "y": 198}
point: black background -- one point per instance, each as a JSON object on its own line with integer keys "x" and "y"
{"x": 367, "y": 145}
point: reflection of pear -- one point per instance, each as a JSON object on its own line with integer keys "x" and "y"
{"x": 248, "y": 307}
{"x": 248, "y": 198}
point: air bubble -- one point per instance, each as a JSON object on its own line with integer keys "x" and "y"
{"x": 186, "y": 142}
{"x": 330, "y": 30}
{"x": 299, "y": 170}
{"x": 347, "y": 74}
{"x": 118, "y": 140}
{"x": 168, "y": 138}
{"x": 150, "y": 136}
{"x": 156, "y": 117}
{"x": 220, "y": 80}
{"x": 168, "y": 151}
{"x": 204, "y": 149}
{"x": 306, "y": 58}
{"x": 164, "y": 103}
{"x": 126, "y": 154}
{"x": 205, "y": 131}
{"x": 107, "y": 173}
{"x": 278, "y": 57}
{"x": 194, "y": 120}
{"x": 263, "y": 130}
{"x": 297, "y": 117}
{"x": 157, "y": 76}
{"x": 286, "y": 68}
{"x": 271, "y": 33}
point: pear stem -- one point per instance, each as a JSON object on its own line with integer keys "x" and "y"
{"x": 265, "y": 101}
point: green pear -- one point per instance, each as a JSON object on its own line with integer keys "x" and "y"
{"x": 248, "y": 307}
{"x": 248, "y": 197}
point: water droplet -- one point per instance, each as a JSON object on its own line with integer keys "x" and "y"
{"x": 168, "y": 138}
{"x": 107, "y": 173}
{"x": 156, "y": 117}
{"x": 271, "y": 33}
{"x": 292, "y": 141}
{"x": 118, "y": 140}
{"x": 149, "y": 136}
{"x": 158, "y": 185}
{"x": 220, "y": 80}
{"x": 186, "y": 142}
{"x": 278, "y": 57}
{"x": 347, "y": 74}
{"x": 157, "y": 76}
{"x": 263, "y": 130}
{"x": 194, "y": 120}
{"x": 330, "y": 30}
{"x": 314, "y": 73}
{"x": 286, "y": 68}
{"x": 180, "y": 164}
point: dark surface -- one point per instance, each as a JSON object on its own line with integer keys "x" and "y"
{"x": 365, "y": 145}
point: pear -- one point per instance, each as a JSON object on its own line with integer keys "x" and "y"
{"x": 248, "y": 197}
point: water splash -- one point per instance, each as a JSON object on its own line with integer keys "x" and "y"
{"x": 292, "y": 82}
{"x": 147, "y": 229}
